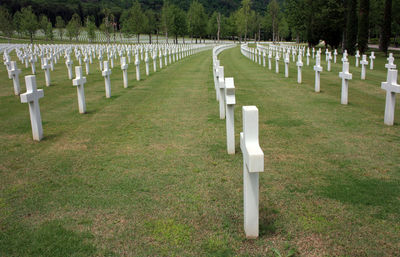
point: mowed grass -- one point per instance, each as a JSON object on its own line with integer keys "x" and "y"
{"x": 146, "y": 173}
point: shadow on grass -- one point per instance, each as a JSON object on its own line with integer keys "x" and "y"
{"x": 49, "y": 239}
{"x": 364, "y": 192}
{"x": 268, "y": 220}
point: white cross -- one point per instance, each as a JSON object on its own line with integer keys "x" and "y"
{"x": 230, "y": 102}
{"x": 221, "y": 87}
{"x": 390, "y": 64}
{"x": 253, "y": 163}
{"x": 318, "y": 69}
{"x": 14, "y": 72}
{"x": 357, "y": 56}
{"x": 86, "y": 61}
{"x": 287, "y": 60}
{"x": 328, "y": 59}
{"x": 155, "y": 61}
{"x": 124, "y": 68}
{"x": 372, "y": 58}
{"x": 269, "y": 60}
{"x": 32, "y": 61}
{"x": 79, "y": 82}
{"x": 363, "y": 63}
{"x": 137, "y": 63}
{"x": 106, "y": 74}
{"x": 32, "y": 97}
{"x": 334, "y": 55}
{"x": 46, "y": 68}
{"x": 277, "y": 63}
{"x": 345, "y": 76}
{"x": 299, "y": 64}
{"x": 160, "y": 57}
{"x": 391, "y": 88}
{"x": 69, "y": 63}
{"x": 264, "y": 55}
{"x": 146, "y": 60}
{"x": 101, "y": 61}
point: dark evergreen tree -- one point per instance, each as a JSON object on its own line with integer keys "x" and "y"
{"x": 363, "y": 26}
{"x": 351, "y": 27}
{"x": 386, "y": 27}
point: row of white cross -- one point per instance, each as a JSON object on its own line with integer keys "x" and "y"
{"x": 390, "y": 85}
{"x": 33, "y": 94}
{"x": 253, "y": 156}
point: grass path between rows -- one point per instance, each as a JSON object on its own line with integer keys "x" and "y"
{"x": 146, "y": 173}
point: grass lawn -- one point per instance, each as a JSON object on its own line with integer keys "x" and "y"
{"x": 146, "y": 172}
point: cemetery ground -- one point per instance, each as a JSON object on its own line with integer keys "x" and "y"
{"x": 146, "y": 172}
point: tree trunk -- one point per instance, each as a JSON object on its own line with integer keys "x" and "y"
{"x": 176, "y": 39}
{"x": 166, "y": 36}
{"x": 219, "y": 25}
{"x": 157, "y": 36}
{"x": 138, "y": 38}
{"x": 150, "y": 38}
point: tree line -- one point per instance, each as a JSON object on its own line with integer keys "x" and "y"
{"x": 349, "y": 24}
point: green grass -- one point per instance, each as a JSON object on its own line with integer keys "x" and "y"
{"x": 146, "y": 173}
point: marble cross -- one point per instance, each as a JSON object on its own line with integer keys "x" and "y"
{"x": 124, "y": 68}
{"x": 69, "y": 63}
{"x": 86, "y": 61}
{"x": 253, "y": 163}
{"x": 287, "y": 59}
{"x": 269, "y": 60}
{"x": 335, "y": 55}
{"x": 391, "y": 88}
{"x": 137, "y": 64}
{"x": 318, "y": 69}
{"x": 100, "y": 61}
{"x": 46, "y": 68}
{"x": 299, "y": 65}
{"x": 32, "y": 97}
{"x": 345, "y": 76}
{"x": 32, "y": 60}
{"x": 14, "y": 72}
{"x": 390, "y": 64}
{"x": 357, "y": 57}
{"x": 160, "y": 58}
{"x": 106, "y": 74}
{"x": 230, "y": 102}
{"x": 146, "y": 60}
{"x": 79, "y": 82}
{"x": 277, "y": 63}
{"x": 328, "y": 60}
{"x": 221, "y": 87}
{"x": 155, "y": 61}
{"x": 371, "y": 58}
{"x": 363, "y": 62}
{"x": 264, "y": 55}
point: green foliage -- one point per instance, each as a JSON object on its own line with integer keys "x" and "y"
{"x": 363, "y": 26}
{"x": 107, "y": 25}
{"x": 60, "y": 25}
{"x": 179, "y": 22}
{"x": 273, "y": 11}
{"x": 49, "y": 31}
{"x": 197, "y": 19}
{"x": 91, "y": 28}
{"x": 74, "y": 27}
{"x": 6, "y": 25}
{"x": 134, "y": 21}
{"x": 17, "y": 22}
{"x": 29, "y": 23}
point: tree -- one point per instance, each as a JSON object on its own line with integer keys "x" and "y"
{"x": 6, "y": 26}
{"x": 386, "y": 28}
{"x": 213, "y": 27}
{"x": 107, "y": 24}
{"x": 150, "y": 24}
{"x": 29, "y": 23}
{"x": 179, "y": 25}
{"x": 134, "y": 22}
{"x": 363, "y": 27}
{"x": 283, "y": 29}
{"x": 17, "y": 22}
{"x": 197, "y": 20}
{"x": 273, "y": 13}
{"x": 166, "y": 18}
{"x": 43, "y": 20}
{"x": 295, "y": 11}
{"x": 243, "y": 18}
{"x": 74, "y": 27}
{"x": 60, "y": 25}
{"x": 351, "y": 27}
{"x": 49, "y": 31}
{"x": 90, "y": 28}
